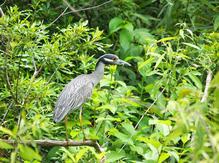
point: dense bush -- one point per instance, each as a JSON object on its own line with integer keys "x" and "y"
{"x": 154, "y": 111}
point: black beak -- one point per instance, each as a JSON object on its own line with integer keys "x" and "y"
{"x": 123, "y": 63}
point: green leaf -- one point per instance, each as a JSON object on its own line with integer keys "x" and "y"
{"x": 52, "y": 153}
{"x": 129, "y": 128}
{"x": 175, "y": 134}
{"x": 128, "y": 26}
{"x": 167, "y": 39}
{"x": 115, "y": 24}
{"x": 145, "y": 67}
{"x": 216, "y": 22}
{"x": 153, "y": 142}
{"x": 192, "y": 45}
{"x": 174, "y": 154}
{"x": 161, "y": 57}
{"x": 113, "y": 156}
{"x": 7, "y": 131}
{"x": 13, "y": 156}
{"x": 123, "y": 137}
{"x": 215, "y": 81}
{"x": 164, "y": 126}
{"x": 112, "y": 108}
{"x": 196, "y": 80}
{"x": 143, "y": 36}
{"x": 3, "y": 159}
{"x": 185, "y": 138}
{"x": 143, "y": 64}
{"x": 125, "y": 39}
{"x": 4, "y": 145}
{"x": 81, "y": 153}
{"x": 134, "y": 50}
{"x": 130, "y": 102}
{"x": 181, "y": 33}
{"x": 163, "y": 157}
{"x": 28, "y": 153}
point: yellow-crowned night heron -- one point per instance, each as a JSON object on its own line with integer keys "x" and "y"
{"x": 78, "y": 90}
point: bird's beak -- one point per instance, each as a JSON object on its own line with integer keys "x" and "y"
{"x": 123, "y": 63}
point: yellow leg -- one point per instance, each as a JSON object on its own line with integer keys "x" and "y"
{"x": 81, "y": 123}
{"x": 66, "y": 128}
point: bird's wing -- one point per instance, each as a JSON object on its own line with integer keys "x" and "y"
{"x": 73, "y": 96}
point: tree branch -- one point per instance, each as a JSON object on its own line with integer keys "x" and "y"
{"x": 208, "y": 80}
{"x": 2, "y": 3}
{"x": 73, "y": 10}
{"x": 59, "y": 16}
{"x": 52, "y": 143}
{"x": 88, "y": 8}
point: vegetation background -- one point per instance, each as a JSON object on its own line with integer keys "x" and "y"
{"x": 165, "y": 108}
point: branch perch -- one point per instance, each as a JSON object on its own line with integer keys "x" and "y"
{"x": 52, "y": 143}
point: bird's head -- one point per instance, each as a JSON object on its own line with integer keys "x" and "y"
{"x": 112, "y": 59}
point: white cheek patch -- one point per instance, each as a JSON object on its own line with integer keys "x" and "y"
{"x": 108, "y": 60}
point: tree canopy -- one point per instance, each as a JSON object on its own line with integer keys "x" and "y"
{"x": 164, "y": 108}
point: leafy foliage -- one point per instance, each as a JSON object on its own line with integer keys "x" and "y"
{"x": 151, "y": 112}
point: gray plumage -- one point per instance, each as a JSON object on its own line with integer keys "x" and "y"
{"x": 79, "y": 90}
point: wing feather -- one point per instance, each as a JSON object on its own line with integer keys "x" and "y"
{"x": 73, "y": 96}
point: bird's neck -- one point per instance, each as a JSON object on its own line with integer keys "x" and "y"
{"x": 99, "y": 71}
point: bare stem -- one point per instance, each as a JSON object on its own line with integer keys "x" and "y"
{"x": 136, "y": 126}
{"x": 208, "y": 80}
{"x": 73, "y": 10}
{"x": 59, "y": 16}
{"x": 88, "y": 8}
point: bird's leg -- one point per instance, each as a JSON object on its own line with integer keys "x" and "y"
{"x": 66, "y": 128}
{"x": 81, "y": 122}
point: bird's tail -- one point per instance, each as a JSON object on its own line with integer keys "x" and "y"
{"x": 59, "y": 114}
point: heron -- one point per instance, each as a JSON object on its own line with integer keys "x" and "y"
{"x": 79, "y": 89}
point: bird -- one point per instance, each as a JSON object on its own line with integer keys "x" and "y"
{"x": 79, "y": 89}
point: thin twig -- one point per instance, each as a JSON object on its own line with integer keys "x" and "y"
{"x": 9, "y": 86}
{"x": 59, "y": 16}
{"x": 2, "y": 3}
{"x": 88, "y": 8}
{"x": 143, "y": 117}
{"x": 36, "y": 71}
{"x": 52, "y": 143}
{"x": 35, "y": 74}
{"x": 208, "y": 80}
{"x": 72, "y": 8}
{"x": 17, "y": 81}
{"x": 6, "y": 113}
{"x": 52, "y": 75}
{"x": 19, "y": 121}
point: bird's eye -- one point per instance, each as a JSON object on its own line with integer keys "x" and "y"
{"x": 114, "y": 59}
